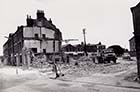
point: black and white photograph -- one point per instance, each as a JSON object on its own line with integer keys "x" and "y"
{"x": 70, "y": 46}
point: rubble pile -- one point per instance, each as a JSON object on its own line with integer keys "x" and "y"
{"x": 84, "y": 66}
{"x": 88, "y": 68}
{"x": 85, "y": 58}
{"x": 39, "y": 61}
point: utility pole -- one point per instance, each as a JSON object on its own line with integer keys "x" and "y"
{"x": 85, "y": 50}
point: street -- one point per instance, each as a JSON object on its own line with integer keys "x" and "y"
{"x": 32, "y": 80}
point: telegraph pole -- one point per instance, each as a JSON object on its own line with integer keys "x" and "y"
{"x": 85, "y": 50}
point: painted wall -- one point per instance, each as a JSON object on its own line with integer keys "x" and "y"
{"x": 32, "y": 44}
{"x": 31, "y": 31}
{"x": 49, "y": 33}
{"x": 48, "y": 45}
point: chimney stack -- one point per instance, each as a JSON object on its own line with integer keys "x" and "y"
{"x": 40, "y": 14}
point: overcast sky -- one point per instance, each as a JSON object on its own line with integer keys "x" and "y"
{"x": 107, "y": 21}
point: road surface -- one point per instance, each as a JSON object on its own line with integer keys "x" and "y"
{"x": 13, "y": 79}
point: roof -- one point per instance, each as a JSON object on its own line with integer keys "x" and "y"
{"x": 64, "y": 46}
{"x": 75, "y": 45}
{"x": 137, "y": 6}
{"x": 131, "y": 38}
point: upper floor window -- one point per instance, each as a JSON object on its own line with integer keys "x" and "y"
{"x": 44, "y": 50}
{"x": 36, "y": 35}
{"x": 43, "y": 36}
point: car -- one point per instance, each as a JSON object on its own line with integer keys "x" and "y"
{"x": 126, "y": 56}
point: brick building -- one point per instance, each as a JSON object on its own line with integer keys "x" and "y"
{"x": 40, "y": 35}
{"x": 132, "y": 46}
{"x": 79, "y": 48}
{"x": 136, "y": 23}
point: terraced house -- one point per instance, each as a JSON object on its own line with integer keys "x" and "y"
{"x": 39, "y": 35}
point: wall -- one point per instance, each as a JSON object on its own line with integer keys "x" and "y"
{"x": 132, "y": 44}
{"x": 49, "y": 33}
{"x": 132, "y": 47}
{"x": 32, "y": 44}
{"x": 31, "y": 31}
{"x": 41, "y": 43}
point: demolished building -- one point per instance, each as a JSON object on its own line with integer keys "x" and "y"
{"x": 39, "y": 35}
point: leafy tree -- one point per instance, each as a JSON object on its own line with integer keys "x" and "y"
{"x": 118, "y": 50}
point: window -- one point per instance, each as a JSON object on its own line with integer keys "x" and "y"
{"x": 43, "y": 35}
{"x": 44, "y": 50}
{"x": 34, "y": 50}
{"x": 36, "y": 35}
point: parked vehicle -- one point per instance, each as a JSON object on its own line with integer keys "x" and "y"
{"x": 108, "y": 55}
{"x": 126, "y": 56}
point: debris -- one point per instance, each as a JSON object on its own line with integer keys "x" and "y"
{"x": 86, "y": 68}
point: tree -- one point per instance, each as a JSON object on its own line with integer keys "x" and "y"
{"x": 118, "y": 50}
